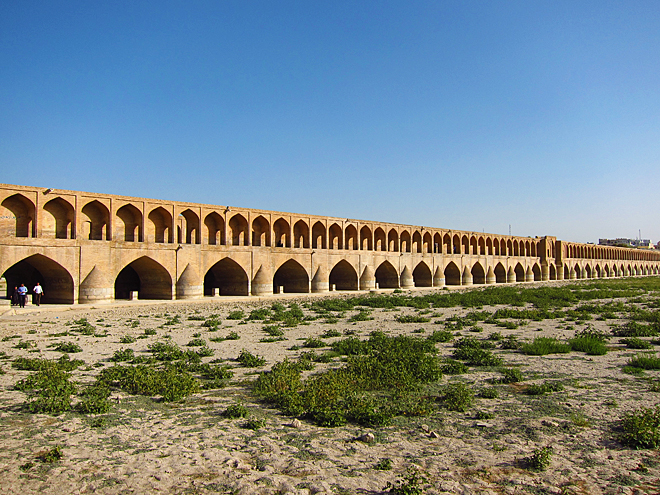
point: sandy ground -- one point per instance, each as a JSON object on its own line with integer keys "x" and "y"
{"x": 147, "y": 446}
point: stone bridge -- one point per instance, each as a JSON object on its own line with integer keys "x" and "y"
{"x": 95, "y": 248}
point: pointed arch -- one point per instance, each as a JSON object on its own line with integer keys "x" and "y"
{"x": 281, "y": 233}
{"x": 380, "y": 240}
{"x": 437, "y": 243}
{"x": 55, "y": 279}
{"x": 534, "y": 250}
{"x": 366, "y": 239}
{"x": 350, "y": 237}
{"x": 446, "y": 241}
{"x": 422, "y": 275}
{"x": 301, "y": 234}
{"x": 427, "y": 243}
{"x": 473, "y": 246}
{"x": 146, "y": 276}
{"x": 260, "y": 231}
{"x": 189, "y": 227}
{"x": 536, "y": 270}
{"x": 478, "y": 274}
{"x": 59, "y": 223}
{"x": 553, "y": 272}
{"x": 130, "y": 229}
{"x": 215, "y": 229}
{"x": 343, "y": 276}
{"x": 520, "y": 273}
{"x": 97, "y": 225}
{"x": 17, "y": 216}
{"x": 160, "y": 226}
{"x": 465, "y": 245}
{"x": 318, "y": 236}
{"x": 416, "y": 245}
{"x": 587, "y": 271}
{"x": 482, "y": 246}
{"x": 335, "y": 236}
{"x": 292, "y": 277}
{"x": 238, "y": 230}
{"x": 387, "y": 276}
{"x": 228, "y": 277}
{"x": 456, "y": 244}
{"x": 452, "y": 274}
{"x": 500, "y": 274}
{"x": 405, "y": 241}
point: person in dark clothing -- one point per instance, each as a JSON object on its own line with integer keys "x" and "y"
{"x": 14, "y": 297}
{"x": 22, "y": 295}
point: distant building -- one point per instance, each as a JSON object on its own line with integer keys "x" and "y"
{"x": 624, "y": 242}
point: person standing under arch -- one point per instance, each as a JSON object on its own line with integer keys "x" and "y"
{"x": 22, "y": 295}
{"x": 38, "y": 291}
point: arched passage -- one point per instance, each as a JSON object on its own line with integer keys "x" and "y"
{"x": 227, "y": 276}
{"x": 536, "y": 270}
{"x": 343, "y": 276}
{"x": 131, "y": 218}
{"x": 478, "y": 274}
{"x": 520, "y": 273}
{"x": 95, "y": 228}
{"x": 17, "y": 216}
{"x": 422, "y": 275}
{"x": 553, "y": 272}
{"x": 55, "y": 279}
{"x": 452, "y": 274}
{"x": 149, "y": 278}
{"x": 386, "y": 276}
{"x": 292, "y": 277}
{"x": 58, "y": 223}
{"x": 500, "y": 274}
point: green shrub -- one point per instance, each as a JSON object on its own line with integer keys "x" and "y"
{"x": 69, "y": 347}
{"x": 350, "y": 346}
{"x": 636, "y": 343}
{"x": 646, "y": 361}
{"x": 635, "y": 329}
{"x": 94, "y": 400}
{"x": 590, "y": 345}
{"x": 412, "y": 319}
{"x": 273, "y": 330}
{"x": 259, "y": 314}
{"x": 249, "y": 360}
{"x": 360, "y": 316}
{"x": 457, "y": 397}
{"x": 236, "y": 411}
{"x": 510, "y": 342}
{"x": 330, "y": 333}
{"x": 410, "y": 485}
{"x": 64, "y": 363}
{"x": 539, "y": 460}
{"x": 49, "y": 390}
{"x": 544, "y": 388}
{"x": 383, "y": 465}
{"x": 641, "y": 428}
{"x": 170, "y": 382}
{"x": 254, "y": 424}
{"x": 490, "y": 393}
{"x": 545, "y": 345}
{"x": 236, "y": 315}
{"x": 314, "y": 343}
{"x": 453, "y": 367}
{"x": 51, "y": 456}
{"x": 127, "y": 339}
{"x": 440, "y": 336}
{"x": 212, "y": 322}
{"x": 477, "y": 356}
{"x": 232, "y": 336}
{"x": 511, "y": 375}
{"x": 196, "y": 343}
{"x": 150, "y": 331}
{"x": 123, "y": 355}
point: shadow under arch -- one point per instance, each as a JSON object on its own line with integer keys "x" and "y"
{"x": 148, "y": 277}
{"x": 386, "y": 276}
{"x": 452, "y": 274}
{"x": 500, "y": 274}
{"x": 55, "y": 279}
{"x": 422, "y": 275}
{"x": 343, "y": 276}
{"x": 478, "y": 274}
{"x": 227, "y": 276}
{"x": 292, "y": 277}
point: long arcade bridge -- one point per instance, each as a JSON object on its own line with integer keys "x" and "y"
{"x": 94, "y": 248}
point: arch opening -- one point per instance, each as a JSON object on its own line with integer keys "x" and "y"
{"x": 228, "y": 277}
{"x": 292, "y": 277}
{"x": 386, "y": 276}
{"x": 18, "y": 218}
{"x": 148, "y": 277}
{"x": 452, "y": 274}
{"x": 59, "y": 222}
{"x": 422, "y": 275}
{"x": 53, "y": 277}
{"x": 520, "y": 273}
{"x": 478, "y": 274}
{"x": 96, "y": 227}
{"x": 500, "y": 274}
{"x": 131, "y": 218}
{"x": 343, "y": 276}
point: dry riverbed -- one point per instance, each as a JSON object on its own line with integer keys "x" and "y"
{"x": 144, "y": 444}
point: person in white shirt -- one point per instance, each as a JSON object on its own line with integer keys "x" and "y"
{"x": 38, "y": 291}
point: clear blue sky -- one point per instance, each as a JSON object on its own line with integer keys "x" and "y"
{"x": 468, "y": 115}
